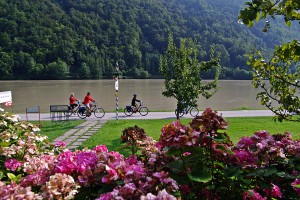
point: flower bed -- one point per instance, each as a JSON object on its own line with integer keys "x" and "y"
{"x": 188, "y": 162}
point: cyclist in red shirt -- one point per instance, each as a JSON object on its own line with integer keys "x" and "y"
{"x": 87, "y": 100}
{"x": 73, "y": 101}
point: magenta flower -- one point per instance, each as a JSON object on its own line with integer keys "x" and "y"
{"x": 245, "y": 158}
{"x": 86, "y": 160}
{"x": 186, "y": 153}
{"x": 101, "y": 149}
{"x": 111, "y": 176}
{"x": 66, "y": 163}
{"x": 245, "y": 143}
{"x": 60, "y": 144}
{"x": 132, "y": 160}
{"x": 12, "y": 164}
{"x": 252, "y": 195}
{"x": 128, "y": 190}
{"x": 273, "y": 192}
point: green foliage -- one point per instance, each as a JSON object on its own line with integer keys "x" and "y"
{"x": 182, "y": 73}
{"x": 278, "y": 75}
{"x": 134, "y": 33}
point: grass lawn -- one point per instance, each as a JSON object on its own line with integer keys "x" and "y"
{"x": 53, "y": 130}
{"x": 110, "y": 132}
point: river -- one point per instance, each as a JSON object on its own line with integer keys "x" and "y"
{"x": 232, "y": 94}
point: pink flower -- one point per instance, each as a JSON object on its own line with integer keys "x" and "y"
{"x": 273, "y": 192}
{"x": 111, "y": 176}
{"x": 246, "y": 158}
{"x": 60, "y": 144}
{"x": 186, "y": 153}
{"x": 12, "y": 164}
{"x": 128, "y": 190}
{"x": 101, "y": 149}
{"x": 66, "y": 163}
{"x": 252, "y": 195}
{"x": 245, "y": 143}
{"x": 132, "y": 160}
{"x": 86, "y": 160}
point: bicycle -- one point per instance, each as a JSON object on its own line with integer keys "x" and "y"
{"x": 190, "y": 109}
{"x": 83, "y": 112}
{"x": 129, "y": 110}
{"x": 72, "y": 111}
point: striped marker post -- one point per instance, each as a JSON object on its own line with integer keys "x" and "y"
{"x": 117, "y": 90}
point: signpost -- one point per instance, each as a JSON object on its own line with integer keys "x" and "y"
{"x": 6, "y": 98}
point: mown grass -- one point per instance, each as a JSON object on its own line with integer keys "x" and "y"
{"x": 110, "y": 132}
{"x": 54, "y": 130}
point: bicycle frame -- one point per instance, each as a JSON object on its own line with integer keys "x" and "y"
{"x": 129, "y": 110}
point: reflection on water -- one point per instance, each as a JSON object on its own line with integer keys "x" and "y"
{"x": 232, "y": 94}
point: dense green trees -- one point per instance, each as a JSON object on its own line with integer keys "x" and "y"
{"x": 277, "y": 75}
{"x": 90, "y": 36}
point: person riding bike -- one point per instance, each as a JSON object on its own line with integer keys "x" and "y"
{"x": 87, "y": 100}
{"x": 134, "y": 104}
{"x": 73, "y": 101}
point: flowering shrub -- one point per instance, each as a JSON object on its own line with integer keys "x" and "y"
{"x": 187, "y": 162}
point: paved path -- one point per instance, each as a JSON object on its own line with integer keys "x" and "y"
{"x": 75, "y": 137}
{"x": 79, "y": 134}
{"x": 153, "y": 115}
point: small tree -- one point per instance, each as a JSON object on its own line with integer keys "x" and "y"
{"x": 280, "y": 93}
{"x": 181, "y": 70}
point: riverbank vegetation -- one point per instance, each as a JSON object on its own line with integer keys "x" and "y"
{"x": 83, "y": 39}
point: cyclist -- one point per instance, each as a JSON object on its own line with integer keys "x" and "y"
{"x": 73, "y": 101}
{"x": 87, "y": 100}
{"x": 134, "y": 104}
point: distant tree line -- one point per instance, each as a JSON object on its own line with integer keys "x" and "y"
{"x": 83, "y": 39}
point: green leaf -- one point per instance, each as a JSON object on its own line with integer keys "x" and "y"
{"x": 11, "y": 176}
{"x": 176, "y": 166}
{"x": 200, "y": 174}
{"x": 296, "y": 186}
{"x": 233, "y": 172}
{"x": 173, "y": 151}
{"x": 5, "y": 144}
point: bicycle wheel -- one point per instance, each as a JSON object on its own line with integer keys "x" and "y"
{"x": 194, "y": 111}
{"x": 180, "y": 113}
{"x": 128, "y": 112}
{"x": 99, "y": 112}
{"x": 82, "y": 113}
{"x": 143, "y": 111}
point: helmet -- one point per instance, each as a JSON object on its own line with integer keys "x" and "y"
{"x": 134, "y": 95}
{"x": 88, "y": 93}
{"x": 72, "y": 94}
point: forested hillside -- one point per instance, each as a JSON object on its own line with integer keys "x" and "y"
{"x": 83, "y": 39}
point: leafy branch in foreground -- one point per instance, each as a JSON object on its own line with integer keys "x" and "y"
{"x": 278, "y": 77}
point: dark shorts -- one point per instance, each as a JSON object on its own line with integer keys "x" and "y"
{"x": 73, "y": 105}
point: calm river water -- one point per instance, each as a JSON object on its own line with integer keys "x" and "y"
{"x": 232, "y": 94}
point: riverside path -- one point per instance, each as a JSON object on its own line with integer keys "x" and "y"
{"x": 153, "y": 115}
